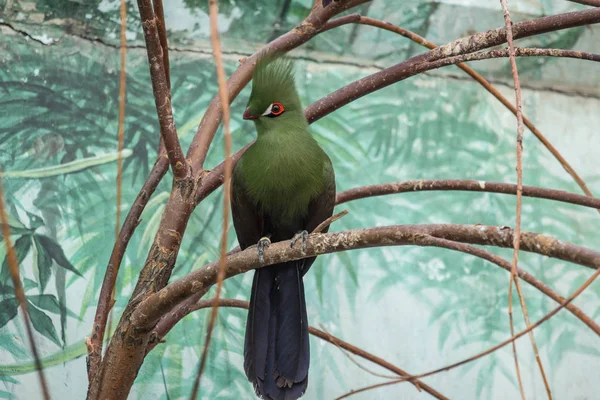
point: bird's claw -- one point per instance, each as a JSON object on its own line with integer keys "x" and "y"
{"x": 263, "y": 243}
{"x": 300, "y": 235}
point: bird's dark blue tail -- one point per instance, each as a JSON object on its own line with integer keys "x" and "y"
{"x": 276, "y": 351}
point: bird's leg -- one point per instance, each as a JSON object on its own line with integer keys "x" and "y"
{"x": 300, "y": 235}
{"x": 263, "y": 243}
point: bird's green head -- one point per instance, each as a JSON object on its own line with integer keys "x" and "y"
{"x": 274, "y": 98}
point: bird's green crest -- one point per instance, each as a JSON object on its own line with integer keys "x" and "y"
{"x": 273, "y": 81}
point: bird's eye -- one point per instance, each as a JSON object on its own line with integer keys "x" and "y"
{"x": 275, "y": 109}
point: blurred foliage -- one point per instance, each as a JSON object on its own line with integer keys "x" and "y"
{"x": 58, "y": 112}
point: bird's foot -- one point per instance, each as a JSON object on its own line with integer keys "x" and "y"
{"x": 300, "y": 235}
{"x": 263, "y": 243}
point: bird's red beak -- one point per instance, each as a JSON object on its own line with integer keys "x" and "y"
{"x": 247, "y": 114}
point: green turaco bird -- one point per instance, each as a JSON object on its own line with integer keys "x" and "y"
{"x": 283, "y": 187}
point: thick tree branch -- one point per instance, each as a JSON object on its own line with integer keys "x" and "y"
{"x": 359, "y": 19}
{"x": 157, "y": 305}
{"x": 464, "y": 185}
{"x": 170, "y": 319}
{"x": 162, "y": 93}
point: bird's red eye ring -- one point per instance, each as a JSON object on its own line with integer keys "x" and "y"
{"x": 277, "y": 109}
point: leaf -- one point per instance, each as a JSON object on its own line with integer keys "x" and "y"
{"x": 56, "y": 252}
{"x": 10, "y": 343}
{"x": 8, "y": 310}
{"x": 8, "y": 379}
{"x": 21, "y": 246}
{"x": 66, "y": 168}
{"x": 5, "y": 395}
{"x": 43, "y": 324}
{"x": 50, "y": 303}
{"x": 42, "y": 264}
{"x": 34, "y": 221}
{"x": 29, "y": 284}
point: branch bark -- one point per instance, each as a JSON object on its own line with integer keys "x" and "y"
{"x": 157, "y": 305}
{"x": 162, "y": 93}
{"x": 517, "y": 236}
{"x": 464, "y": 185}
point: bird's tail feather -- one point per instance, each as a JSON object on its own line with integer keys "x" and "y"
{"x": 276, "y": 351}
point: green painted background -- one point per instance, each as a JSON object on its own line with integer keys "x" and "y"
{"x": 417, "y": 308}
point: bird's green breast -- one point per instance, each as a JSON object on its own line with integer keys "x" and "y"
{"x": 282, "y": 173}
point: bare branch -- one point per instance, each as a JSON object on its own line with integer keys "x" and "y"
{"x": 329, "y": 221}
{"x": 162, "y": 35}
{"x": 354, "y": 18}
{"x": 13, "y": 266}
{"x": 160, "y": 303}
{"x": 170, "y": 319}
{"x": 517, "y": 237}
{"x": 162, "y": 93}
{"x": 464, "y": 185}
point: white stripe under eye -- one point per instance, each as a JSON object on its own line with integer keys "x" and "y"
{"x": 268, "y": 110}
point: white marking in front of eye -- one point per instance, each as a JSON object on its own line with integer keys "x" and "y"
{"x": 268, "y": 110}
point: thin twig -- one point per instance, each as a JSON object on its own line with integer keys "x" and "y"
{"x": 214, "y": 34}
{"x": 517, "y": 237}
{"x": 13, "y": 266}
{"x": 354, "y": 18}
{"x": 329, "y": 221}
{"x": 121, "y": 140}
{"x": 583, "y": 287}
{"x": 359, "y": 365}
